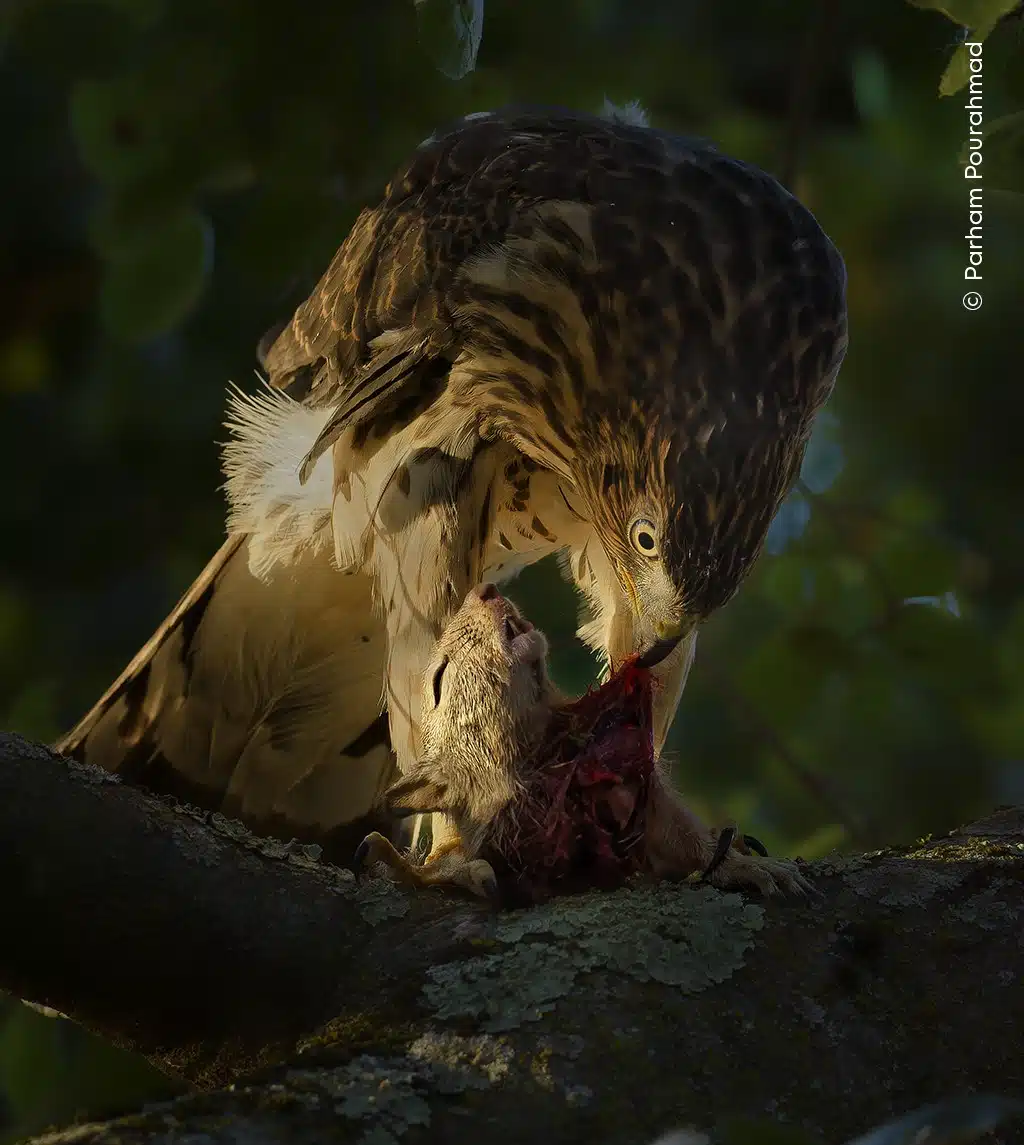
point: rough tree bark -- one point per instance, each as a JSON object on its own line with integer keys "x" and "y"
{"x": 344, "y": 1013}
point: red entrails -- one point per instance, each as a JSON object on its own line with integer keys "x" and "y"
{"x": 580, "y": 820}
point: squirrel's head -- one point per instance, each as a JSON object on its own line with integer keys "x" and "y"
{"x": 487, "y": 701}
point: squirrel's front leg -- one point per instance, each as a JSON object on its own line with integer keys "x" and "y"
{"x": 679, "y": 846}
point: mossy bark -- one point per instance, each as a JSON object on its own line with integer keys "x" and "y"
{"x": 345, "y": 1013}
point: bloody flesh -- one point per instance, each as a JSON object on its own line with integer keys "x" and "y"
{"x": 579, "y": 820}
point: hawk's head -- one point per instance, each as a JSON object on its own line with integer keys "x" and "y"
{"x": 663, "y": 343}
{"x": 686, "y": 457}
{"x": 682, "y": 507}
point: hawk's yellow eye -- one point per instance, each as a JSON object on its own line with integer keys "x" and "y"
{"x": 644, "y": 537}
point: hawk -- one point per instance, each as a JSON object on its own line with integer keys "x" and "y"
{"x": 555, "y": 333}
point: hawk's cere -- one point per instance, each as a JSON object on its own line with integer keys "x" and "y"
{"x": 557, "y": 332}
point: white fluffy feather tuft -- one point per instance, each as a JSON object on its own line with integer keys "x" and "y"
{"x": 631, "y": 113}
{"x": 271, "y": 433}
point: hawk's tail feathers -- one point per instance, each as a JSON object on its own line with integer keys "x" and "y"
{"x": 113, "y": 732}
{"x": 257, "y": 698}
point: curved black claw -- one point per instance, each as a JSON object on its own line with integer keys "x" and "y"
{"x": 756, "y": 845}
{"x": 725, "y": 842}
{"x": 359, "y": 858}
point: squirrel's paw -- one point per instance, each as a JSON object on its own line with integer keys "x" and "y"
{"x": 742, "y": 864}
{"x": 738, "y": 871}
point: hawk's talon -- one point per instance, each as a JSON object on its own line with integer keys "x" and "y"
{"x": 359, "y": 859}
{"x": 755, "y": 844}
{"x": 378, "y": 849}
{"x": 448, "y": 866}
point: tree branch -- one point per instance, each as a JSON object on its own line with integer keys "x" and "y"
{"x": 375, "y": 1015}
{"x": 202, "y": 947}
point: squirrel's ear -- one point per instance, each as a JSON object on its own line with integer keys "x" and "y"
{"x": 420, "y": 790}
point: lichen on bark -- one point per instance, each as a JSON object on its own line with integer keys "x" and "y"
{"x": 682, "y": 936}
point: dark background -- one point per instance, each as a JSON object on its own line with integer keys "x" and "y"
{"x": 175, "y": 175}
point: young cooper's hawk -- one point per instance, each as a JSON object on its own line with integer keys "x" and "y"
{"x": 556, "y": 333}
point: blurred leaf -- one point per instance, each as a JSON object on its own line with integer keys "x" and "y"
{"x": 823, "y": 461}
{"x": 912, "y": 505}
{"x": 958, "y": 71}
{"x": 123, "y": 223}
{"x": 871, "y": 85}
{"x": 821, "y": 647}
{"x": 940, "y": 649}
{"x": 24, "y": 365}
{"x": 1010, "y": 647}
{"x": 780, "y": 680}
{"x": 14, "y": 617}
{"x": 51, "y": 1069}
{"x": 32, "y": 712}
{"x": 116, "y": 140}
{"x": 450, "y": 31}
{"x": 1004, "y": 152}
{"x": 787, "y": 582}
{"x": 848, "y": 594}
{"x": 914, "y": 562}
{"x": 978, "y": 18}
{"x": 1001, "y": 731}
{"x": 788, "y": 523}
{"x": 981, "y": 16}
{"x": 947, "y": 1123}
{"x": 1000, "y": 722}
{"x": 152, "y": 284}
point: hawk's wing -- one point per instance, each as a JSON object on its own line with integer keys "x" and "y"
{"x": 387, "y": 308}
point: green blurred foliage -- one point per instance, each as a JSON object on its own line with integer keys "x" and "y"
{"x": 53, "y": 1073}
{"x": 977, "y": 18}
{"x": 178, "y": 174}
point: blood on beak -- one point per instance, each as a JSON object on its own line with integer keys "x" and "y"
{"x": 669, "y": 636}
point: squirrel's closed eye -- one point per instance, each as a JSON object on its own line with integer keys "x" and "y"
{"x": 438, "y": 677}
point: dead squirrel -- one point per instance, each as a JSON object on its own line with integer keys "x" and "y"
{"x": 493, "y": 733}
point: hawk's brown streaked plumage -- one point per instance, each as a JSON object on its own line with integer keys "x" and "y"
{"x": 555, "y": 332}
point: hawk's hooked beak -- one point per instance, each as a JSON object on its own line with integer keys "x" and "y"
{"x": 669, "y": 636}
{"x": 667, "y": 633}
